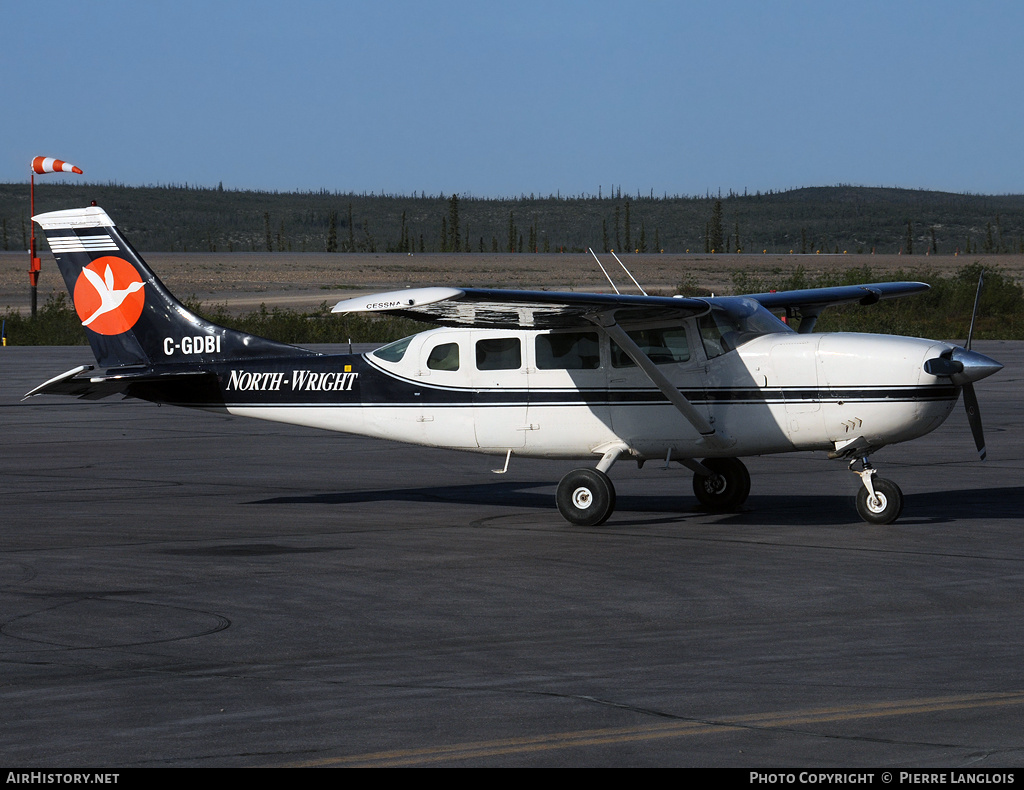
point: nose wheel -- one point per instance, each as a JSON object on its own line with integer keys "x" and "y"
{"x": 879, "y": 501}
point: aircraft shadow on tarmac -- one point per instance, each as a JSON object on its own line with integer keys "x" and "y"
{"x": 795, "y": 509}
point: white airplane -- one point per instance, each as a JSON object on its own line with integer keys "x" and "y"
{"x": 702, "y": 382}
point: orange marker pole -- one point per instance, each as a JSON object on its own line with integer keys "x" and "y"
{"x": 34, "y": 266}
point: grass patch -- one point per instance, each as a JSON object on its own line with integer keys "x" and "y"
{"x": 55, "y": 324}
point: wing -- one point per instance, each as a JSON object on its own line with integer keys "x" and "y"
{"x": 842, "y": 294}
{"x": 811, "y": 301}
{"x": 500, "y": 309}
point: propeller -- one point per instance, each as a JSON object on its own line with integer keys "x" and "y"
{"x": 970, "y": 399}
{"x": 964, "y": 367}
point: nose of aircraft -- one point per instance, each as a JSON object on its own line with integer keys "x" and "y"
{"x": 962, "y": 366}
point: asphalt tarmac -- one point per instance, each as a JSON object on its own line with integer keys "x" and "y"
{"x": 187, "y": 589}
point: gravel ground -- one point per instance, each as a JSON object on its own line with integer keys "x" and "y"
{"x": 304, "y": 280}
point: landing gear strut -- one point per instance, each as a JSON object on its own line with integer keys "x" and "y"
{"x": 879, "y": 501}
{"x": 726, "y": 488}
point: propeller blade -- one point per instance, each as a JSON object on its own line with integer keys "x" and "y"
{"x": 975, "y": 366}
{"x": 974, "y": 312}
{"x": 974, "y": 418}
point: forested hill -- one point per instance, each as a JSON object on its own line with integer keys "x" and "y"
{"x": 840, "y": 218}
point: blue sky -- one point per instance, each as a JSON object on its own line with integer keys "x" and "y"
{"x": 501, "y": 99}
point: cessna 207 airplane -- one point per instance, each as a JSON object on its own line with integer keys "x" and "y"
{"x": 702, "y": 382}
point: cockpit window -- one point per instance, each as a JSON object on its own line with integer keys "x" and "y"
{"x": 393, "y": 352}
{"x": 733, "y": 322}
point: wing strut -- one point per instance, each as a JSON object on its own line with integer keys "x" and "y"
{"x": 707, "y": 431}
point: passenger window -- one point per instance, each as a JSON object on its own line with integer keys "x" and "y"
{"x": 664, "y": 346}
{"x": 444, "y": 357}
{"x": 568, "y": 351}
{"x": 500, "y": 353}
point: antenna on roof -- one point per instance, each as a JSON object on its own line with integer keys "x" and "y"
{"x": 631, "y": 277}
{"x": 605, "y": 270}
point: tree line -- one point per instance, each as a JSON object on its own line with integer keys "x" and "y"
{"x": 849, "y": 219}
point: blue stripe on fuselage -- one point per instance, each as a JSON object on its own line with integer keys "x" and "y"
{"x": 349, "y": 380}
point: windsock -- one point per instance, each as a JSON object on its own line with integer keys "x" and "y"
{"x": 47, "y": 164}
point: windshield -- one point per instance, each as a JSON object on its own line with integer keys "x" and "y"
{"x": 393, "y": 352}
{"x": 734, "y": 321}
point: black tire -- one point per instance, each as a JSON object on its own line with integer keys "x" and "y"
{"x": 727, "y": 488}
{"x": 586, "y": 497}
{"x": 887, "y": 508}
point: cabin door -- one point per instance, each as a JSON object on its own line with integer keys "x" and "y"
{"x": 501, "y": 392}
{"x": 445, "y": 415}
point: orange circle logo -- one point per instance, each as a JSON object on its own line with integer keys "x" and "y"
{"x": 109, "y": 295}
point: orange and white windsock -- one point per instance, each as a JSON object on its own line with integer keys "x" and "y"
{"x": 47, "y": 164}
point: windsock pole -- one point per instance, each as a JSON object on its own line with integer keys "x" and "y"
{"x": 41, "y": 164}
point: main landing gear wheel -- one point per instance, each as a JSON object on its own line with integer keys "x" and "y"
{"x": 586, "y": 497}
{"x": 885, "y": 507}
{"x": 726, "y": 488}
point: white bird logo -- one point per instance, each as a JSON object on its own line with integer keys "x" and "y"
{"x": 110, "y": 297}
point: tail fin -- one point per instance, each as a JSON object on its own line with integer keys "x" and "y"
{"x": 130, "y": 318}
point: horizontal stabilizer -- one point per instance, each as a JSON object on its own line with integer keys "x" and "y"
{"x": 96, "y": 387}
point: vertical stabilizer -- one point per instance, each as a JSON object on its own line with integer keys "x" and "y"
{"x": 130, "y": 318}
